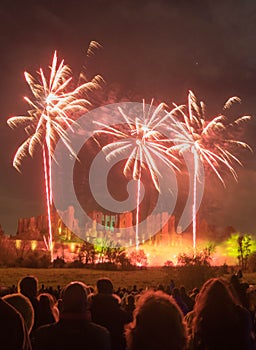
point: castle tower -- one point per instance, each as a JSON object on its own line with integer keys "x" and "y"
{"x": 125, "y": 221}
{"x": 165, "y": 229}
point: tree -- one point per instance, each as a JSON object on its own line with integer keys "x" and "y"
{"x": 244, "y": 250}
{"x": 241, "y": 246}
{"x": 201, "y": 258}
{"x": 108, "y": 251}
{"x": 138, "y": 258}
{"x": 7, "y": 251}
{"x": 87, "y": 253}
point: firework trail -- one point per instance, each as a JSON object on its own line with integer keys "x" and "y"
{"x": 205, "y": 139}
{"x": 143, "y": 141}
{"x": 53, "y": 107}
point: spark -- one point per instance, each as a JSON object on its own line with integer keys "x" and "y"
{"x": 204, "y": 139}
{"x": 142, "y": 140}
{"x": 54, "y": 105}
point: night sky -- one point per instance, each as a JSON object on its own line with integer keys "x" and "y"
{"x": 157, "y": 49}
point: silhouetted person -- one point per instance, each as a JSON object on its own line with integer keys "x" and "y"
{"x": 130, "y": 305}
{"x": 42, "y": 289}
{"x": 186, "y": 298}
{"x": 134, "y": 289}
{"x": 171, "y": 286}
{"x": 13, "y": 331}
{"x": 160, "y": 287}
{"x": 239, "y": 290}
{"x": 219, "y": 322}
{"x": 106, "y": 311}
{"x": 239, "y": 274}
{"x": 177, "y": 297}
{"x": 28, "y": 287}
{"x": 74, "y": 329}
{"x": 157, "y": 324}
{"x": 23, "y": 305}
{"x": 47, "y": 311}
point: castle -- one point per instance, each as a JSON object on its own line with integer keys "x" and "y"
{"x": 35, "y": 228}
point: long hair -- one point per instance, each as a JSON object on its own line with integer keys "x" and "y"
{"x": 157, "y": 324}
{"x": 217, "y": 320}
{"x": 48, "y": 312}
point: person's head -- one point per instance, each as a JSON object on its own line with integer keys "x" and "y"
{"x": 46, "y": 301}
{"x": 13, "y": 331}
{"x": 216, "y": 322}
{"x": 176, "y": 292}
{"x": 28, "y": 286}
{"x": 160, "y": 287}
{"x": 131, "y": 300}
{"x": 158, "y": 324}
{"x": 234, "y": 280}
{"x": 215, "y": 292}
{"x": 23, "y": 306}
{"x": 183, "y": 291}
{"x": 74, "y": 298}
{"x": 105, "y": 286}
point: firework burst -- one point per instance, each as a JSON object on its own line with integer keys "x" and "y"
{"x": 141, "y": 139}
{"x": 53, "y": 107}
{"x": 205, "y": 139}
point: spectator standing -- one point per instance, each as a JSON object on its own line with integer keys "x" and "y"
{"x": 157, "y": 324}
{"x": 28, "y": 287}
{"x": 106, "y": 311}
{"x": 180, "y": 302}
{"x": 47, "y": 311}
{"x": 73, "y": 330}
{"x": 219, "y": 322}
{"x": 13, "y": 331}
{"x": 23, "y": 306}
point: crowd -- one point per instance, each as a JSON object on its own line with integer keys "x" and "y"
{"x": 219, "y": 316}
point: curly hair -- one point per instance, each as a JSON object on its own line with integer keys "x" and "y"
{"x": 157, "y": 324}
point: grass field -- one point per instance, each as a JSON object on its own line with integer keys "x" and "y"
{"x": 150, "y": 277}
{"x": 52, "y": 277}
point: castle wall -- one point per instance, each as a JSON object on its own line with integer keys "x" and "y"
{"x": 39, "y": 226}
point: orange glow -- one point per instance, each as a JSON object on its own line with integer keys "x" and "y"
{"x": 33, "y": 245}
{"x": 18, "y": 243}
{"x": 162, "y": 254}
{"x": 72, "y": 247}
